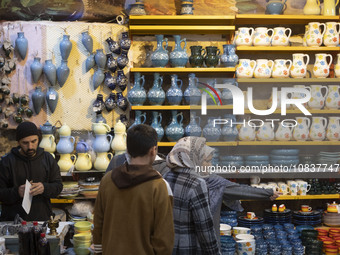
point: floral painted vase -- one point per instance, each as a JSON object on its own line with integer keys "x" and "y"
{"x": 110, "y": 102}
{"x": 280, "y": 37}
{"x": 122, "y": 60}
{"x": 299, "y": 66}
{"x": 110, "y": 81}
{"x": 318, "y": 129}
{"x": 111, "y": 63}
{"x": 317, "y": 100}
{"x": 229, "y": 57}
{"x": 244, "y": 36}
{"x": 98, "y": 104}
{"x": 281, "y": 68}
{"x": 245, "y": 68}
{"x": 333, "y": 97}
{"x": 122, "y": 80}
{"x": 333, "y": 129}
{"x": 113, "y": 45}
{"x": 122, "y": 102}
{"x": 263, "y": 68}
{"x": 261, "y": 36}
{"x": 192, "y": 94}
{"x": 315, "y": 36}
{"x": 301, "y": 130}
{"x": 125, "y": 42}
{"x": 331, "y": 36}
{"x": 321, "y": 67}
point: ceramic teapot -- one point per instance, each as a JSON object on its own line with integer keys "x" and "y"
{"x": 284, "y": 133}
{"x": 265, "y": 132}
{"x": 100, "y": 128}
{"x": 82, "y": 147}
{"x": 331, "y": 36}
{"x": 102, "y": 160}
{"x": 84, "y": 162}
{"x": 280, "y": 38}
{"x": 299, "y": 66}
{"x": 64, "y": 130}
{"x": 247, "y": 133}
{"x": 48, "y": 143}
{"x": 66, "y": 162}
{"x": 317, "y": 99}
{"x": 281, "y": 68}
{"x": 262, "y": 37}
{"x": 315, "y": 36}
{"x": 118, "y": 144}
{"x": 333, "y": 129}
{"x": 334, "y": 207}
{"x": 245, "y": 68}
{"x": 47, "y": 128}
{"x": 263, "y": 68}
{"x": 301, "y": 130}
{"x": 318, "y": 129}
{"x": 321, "y": 67}
{"x": 244, "y": 36}
{"x": 333, "y": 97}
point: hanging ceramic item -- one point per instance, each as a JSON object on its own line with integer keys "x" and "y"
{"x": 124, "y": 120}
{"x": 110, "y": 102}
{"x": 52, "y": 99}
{"x": 62, "y": 73}
{"x": 100, "y": 58}
{"x": 125, "y": 42}
{"x": 122, "y": 80}
{"x": 65, "y": 47}
{"x": 98, "y": 78}
{"x": 113, "y": 45}
{"x": 100, "y": 118}
{"x": 38, "y": 99}
{"x": 137, "y": 94}
{"x": 110, "y": 81}
{"x": 98, "y": 104}
{"x": 122, "y": 60}
{"x": 122, "y": 101}
{"x": 111, "y": 63}
{"x": 87, "y": 41}
{"x": 50, "y": 72}
{"x": 36, "y": 69}
{"x": 21, "y": 44}
{"x": 89, "y": 63}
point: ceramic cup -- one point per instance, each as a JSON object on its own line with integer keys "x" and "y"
{"x": 303, "y": 188}
{"x": 225, "y": 230}
{"x": 283, "y": 188}
{"x": 306, "y": 208}
{"x": 293, "y": 187}
{"x": 251, "y": 215}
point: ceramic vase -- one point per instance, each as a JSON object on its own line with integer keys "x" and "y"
{"x": 317, "y": 130}
{"x": 229, "y": 131}
{"x": 156, "y": 123}
{"x": 38, "y": 99}
{"x": 89, "y": 63}
{"x": 36, "y": 69}
{"x": 315, "y": 36}
{"x": 160, "y": 57}
{"x": 21, "y": 45}
{"x": 140, "y": 118}
{"x": 48, "y": 143}
{"x": 122, "y": 80}
{"x": 179, "y": 57}
{"x": 102, "y": 160}
{"x": 87, "y": 41}
{"x": 110, "y": 81}
{"x": 312, "y": 7}
{"x": 111, "y": 63}
{"x": 137, "y": 94}
{"x": 333, "y": 129}
{"x": 122, "y": 102}
{"x": 321, "y": 66}
{"x": 125, "y": 42}
{"x": 62, "y": 73}
{"x": 156, "y": 94}
{"x": 299, "y": 66}
{"x": 98, "y": 105}
{"x": 83, "y": 162}
{"x": 122, "y": 60}
{"x": 113, "y": 45}
{"x": 192, "y": 94}
{"x": 196, "y": 59}
{"x": 331, "y": 36}
{"x": 212, "y": 57}
{"x": 50, "y": 72}
{"x": 102, "y": 143}
{"x": 65, "y": 144}
{"x": 65, "y": 47}
{"x": 229, "y": 57}
{"x": 194, "y": 128}
{"x": 210, "y": 132}
{"x": 174, "y": 94}
{"x": 100, "y": 58}
{"x": 118, "y": 144}
{"x": 110, "y": 102}
{"x": 337, "y": 67}
{"x": 52, "y": 97}
{"x": 175, "y": 131}
{"x": 98, "y": 78}
{"x": 333, "y": 97}
{"x": 66, "y": 162}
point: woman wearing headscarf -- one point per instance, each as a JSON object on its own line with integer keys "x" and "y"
{"x": 194, "y": 226}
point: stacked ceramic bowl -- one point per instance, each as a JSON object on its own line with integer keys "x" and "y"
{"x": 277, "y": 217}
{"x": 312, "y": 218}
{"x": 231, "y": 160}
{"x": 328, "y": 158}
{"x": 284, "y": 157}
{"x": 88, "y": 188}
{"x": 243, "y": 221}
{"x": 228, "y": 245}
{"x": 331, "y": 219}
{"x": 229, "y": 217}
{"x": 256, "y": 160}
{"x": 245, "y": 244}
{"x": 216, "y": 154}
{"x": 82, "y": 238}
{"x": 70, "y": 190}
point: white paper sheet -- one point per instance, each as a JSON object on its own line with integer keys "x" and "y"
{"x": 27, "y": 201}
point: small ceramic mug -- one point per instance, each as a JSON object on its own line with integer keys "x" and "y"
{"x": 306, "y": 208}
{"x": 283, "y": 188}
{"x": 251, "y": 215}
{"x": 293, "y": 187}
{"x": 225, "y": 230}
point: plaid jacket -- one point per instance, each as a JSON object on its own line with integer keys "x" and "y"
{"x": 194, "y": 227}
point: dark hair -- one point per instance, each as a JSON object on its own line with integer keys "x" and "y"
{"x": 140, "y": 139}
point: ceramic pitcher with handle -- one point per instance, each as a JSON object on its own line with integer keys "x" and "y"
{"x": 265, "y": 132}
{"x": 333, "y": 129}
{"x": 280, "y": 37}
{"x": 337, "y": 67}
{"x": 329, "y": 7}
{"x": 299, "y": 95}
{"x": 245, "y": 68}
{"x": 331, "y": 36}
{"x": 299, "y": 66}
{"x": 48, "y": 143}
{"x": 318, "y": 129}
{"x": 284, "y": 133}
{"x": 66, "y": 162}
{"x": 263, "y": 68}
{"x": 321, "y": 66}
{"x": 262, "y": 37}
{"x": 83, "y": 162}
{"x": 314, "y": 36}
{"x": 333, "y": 97}
{"x": 247, "y": 133}
{"x": 281, "y": 68}
{"x": 317, "y": 100}
{"x": 301, "y": 130}
{"x": 244, "y": 36}
{"x": 102, "y": 160}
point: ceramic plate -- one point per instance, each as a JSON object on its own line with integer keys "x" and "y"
{"x": 286, "y": 152}
{"x": 257, "y": 157}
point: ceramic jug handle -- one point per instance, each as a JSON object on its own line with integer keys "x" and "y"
{"x": 205, "y": 52}
{"x": 144, "y": 117}
{"x": 324, "y": 120}
{"x": 307, "y": 56}
{"x": 290, "y": 63}
{"x": 160, "y": 81}
{"x": 73, "y": 158}
{"x": 272, "y": 65}
{"x": 218, "y": 52}
{"x": 110, "y": 154}
{"x": 88, "y": 155}
{"x": 289, "y": 32}
{"x": 110, "y": 138}
{"x": 197, "y": 80}
{"x": 143, "y": 79}
{"x": 337, "y": 24}
{"x": 324, "y": 27}
{"x": 73, "y": 140}
{"x": 252, "y": 31}
{"x": 308, "y": 122}
{"x": 181, "y": 83}
{"x": 166, "y": 43}
{"x": 270, "y": 30}
{"x": 185, "y": 43}
{"x": 181, "y": 119}
{"x": 285, "y": 6}
{"x": 326, "y": 88}
{"x": 330, "y": 59}
{"x": 160, "y": 118}
{"x": 108, "y": 129}
{"x": 52, "y": 139}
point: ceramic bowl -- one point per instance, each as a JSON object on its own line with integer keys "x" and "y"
{"x": 283, "y": 157}
{"x": 284, "y": 162}
{"x": 256, "y": 163}
{"x": 231, "y": 158}
{"x": 257, "y": 157}
{"x": 241, "y": 230}
{"x": 83, "y": 236}
{"x": 83, "y": 225}
{"x": 231, "y": 163}
{"x": 244, "y": 237}
{"x": 286, "y": 152}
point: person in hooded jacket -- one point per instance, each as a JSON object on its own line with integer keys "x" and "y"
{"x": 28, "y": 162}
{"x": 133, "y": 209}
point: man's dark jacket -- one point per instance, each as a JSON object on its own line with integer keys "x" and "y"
{"x": 15, "y": 168}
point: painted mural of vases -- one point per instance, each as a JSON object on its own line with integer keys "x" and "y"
{"x": 38, "y": 99}
{"x": 196, "y": 59}
{"x": 137, "y": 95}
{"x": 192, "y": 94}
{"x": 100, "y": 58}
{"x": 36, "y": 69}
{"x": 212, "y": 57}
{"x": 52, "y": 97}
{"x": 89, "y": 63}
{"x": 122, "y": 80}
{"x": 160, "y": 57}
{"x": 98, "y": 78}
{"x": 122, "y": 60}
{"x": 62, "y": 73}
{"x": 111, "y": 63}
{"x": 175, "y": 131}
{"x": 174, "y": 94}
{"x": 125, "y": 42}
{"x": 194, "y": 128}
{"x": 65, "y": 47}
{"x": 87, "y": 41}
{"x": 211, "y": 132}
{"x": 98, "y": 105}
{"x": 50, "y": 72}
{"x": 156, "y": 123}
{"x": 110, "y": 81}
{"x": 110, "y": 102}
{"x": 21, "y": 45}
{"x": 113, "y": 45}
{"x": 229, "y": 57}
{"x": 156, "y": 94}
{"x": 179, "y": 57}
{"x": 122, "y": 102}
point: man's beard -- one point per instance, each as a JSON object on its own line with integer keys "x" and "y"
{"x": 30, "y": 153}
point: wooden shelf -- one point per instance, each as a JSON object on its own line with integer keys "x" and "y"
{"x": 179, "y": 29}
{"x": 61, "y": 201}
{"x": 182, "y": 70}
{"x": 170, "y": 144}
{"x": 326, "y": 111}
{"x": 182, "y": 20}
{"x": 160, "y": 107}
{"x": 166, "y": 144}
{"x": 293, "y": 143}
{"x": 265, "y": 19}
{"x": 286, "y": 48}
{"x": 287, "y": 80}
{"x": 325, "y": 196}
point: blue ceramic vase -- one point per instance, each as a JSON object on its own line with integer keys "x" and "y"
{"x": 110, "y": 81}
{"x": 125, "y": 42}
{"x": 192, "y": 94}
{"x": 62, "y": 73}
{"x": 102, "y": 143}
{"x": 179, "y": 56}
{"x": 229, "y": 57}
{"x": 111, "y": 63}
{"x": 160, "y": 57}
{"x": 156, "y": 123}
{"x": 175, "y": 131}
{"x": 38, "y": 99}
{"x": 50, "y": 72}
{"x": 100, "y": 58}
{"x": 156, "y": 94}
{"x": 227, "y": 96}
{"x": 89, "y": 63}
{"x": 52, "y": 97}
{"x": 122, "y": 60}
{"x": 65, "y": 47}
{"x": 211, "y": 133}
{"x": 193, "y": 129}
{"x": 139, "y": 118}
{"x": 122, "y": 80}
{"x": 65, "y": 144}
{"x": 36, "y": 69}
{"x": 98, "y": 105}
{"x": 122, "y": 102}
{"x": 229, "y": 131}
{"x": 113, "y": 45}
{"x": 174, "y": 94}
{"x": 137, "y": 95}
{"x": 87, "y": 41}
{"x": 98, "y": 78}
{"x": 110, "y": 102}
{"x": 21, "y": 45}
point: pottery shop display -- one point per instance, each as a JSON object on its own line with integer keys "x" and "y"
{"x": 65, "y": 144}
{"x": 98, "y": 105}
{"x": 83, "y": 162}
{"x": 187, "y": 8}
{"x": 263, "y": 68}
{"x": 137, "y": 9}
{"x": 318, "y": 96}
{"x": 122, "y": 102}
{"x": 245, "y": 68}
{"x": 100, "y": 58}
{"x": 175, "y": 131}
{"x": 98, "y": 78}
{"x": 140, "y": 118}
{"x": 21, "y": 44}
{"x": 212, "y": 132}
{"x": 179, "y": 57}
{"x": 122, "y": 80}
{"x": 160, "y": 57}
{"x": 280, "y": 37}
{"x": 317, "y": 130}
{"x": 174, "y": 94}
{"x": 125, "y": 42}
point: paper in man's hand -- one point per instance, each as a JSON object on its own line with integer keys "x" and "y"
{"x": 27, "y": 201}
